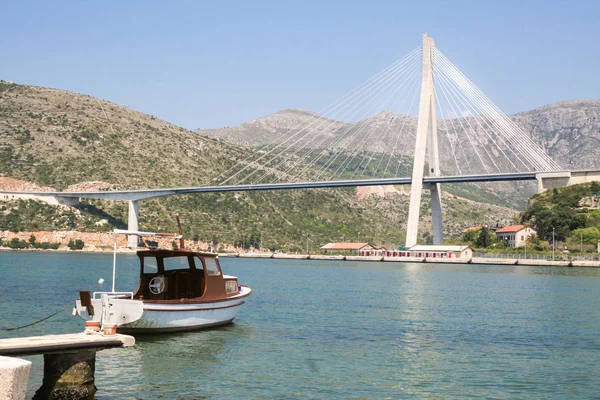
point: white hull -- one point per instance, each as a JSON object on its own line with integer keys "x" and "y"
{"x": 136, "y": 316}
{"x": 181, "y": 317}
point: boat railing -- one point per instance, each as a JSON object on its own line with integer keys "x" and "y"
{"x": 113, "y": 295}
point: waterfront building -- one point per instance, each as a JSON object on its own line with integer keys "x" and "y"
{"x": 515, "y": 235}
{"x": 352, "y": 247}
{"x": 441, "y": 251}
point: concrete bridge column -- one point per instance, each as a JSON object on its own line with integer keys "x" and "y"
{"x": 436, "y": 214}
{"x": 132, "y": 222}
{"x": 426, "y": 132}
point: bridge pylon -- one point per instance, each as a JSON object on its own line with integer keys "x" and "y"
{"x": 427, "y": 138}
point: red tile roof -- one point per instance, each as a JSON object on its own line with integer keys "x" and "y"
{"x": 511, "y": 228}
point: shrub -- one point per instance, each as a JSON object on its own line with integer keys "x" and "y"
{"x": 17, "y": 244}
{"x": 75, "y": 245}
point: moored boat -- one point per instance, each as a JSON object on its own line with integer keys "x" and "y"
{"x": 178, "y": 290}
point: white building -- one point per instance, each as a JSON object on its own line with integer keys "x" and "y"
{"x": 515, "y": 235}
{"x": 441, "y": 251}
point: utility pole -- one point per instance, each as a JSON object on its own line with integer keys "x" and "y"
{"x": 553, "y": 244}
{"x": 581, "y": 248}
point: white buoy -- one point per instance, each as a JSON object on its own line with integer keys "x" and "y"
{"x": 101, "y": 281}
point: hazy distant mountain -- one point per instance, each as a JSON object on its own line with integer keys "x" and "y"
{"x": 568, "y": 131}
{"x": 305, "y": 129}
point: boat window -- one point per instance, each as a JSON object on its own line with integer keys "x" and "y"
{"x": 231, "y": 287}
{"x": 211, "y": 266}
{"x": 173, "y": 263}
{"x": 150, "y": 265}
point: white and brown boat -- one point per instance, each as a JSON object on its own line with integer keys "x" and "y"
{"x": 178, "y": 290}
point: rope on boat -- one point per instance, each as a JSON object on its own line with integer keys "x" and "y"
{"x": 40, "y": 320}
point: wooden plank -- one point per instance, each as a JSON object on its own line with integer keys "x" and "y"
{"x": 66, "y": 342}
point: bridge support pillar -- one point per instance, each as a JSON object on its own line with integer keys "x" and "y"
{"x": 132, "y": 222}
{"x": 68, "y": 375}
{"x": 550, "y": 180}
{"x": 436, "y": 214}
{"x": 426, "y": 132}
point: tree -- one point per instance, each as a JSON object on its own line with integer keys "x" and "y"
{"x": 595, "y": 188}
{"x": 32, "y": 240}
{"x": 486, "y": 237}
{"x": 588, "y": 235}
{"x": 471, "y": 235}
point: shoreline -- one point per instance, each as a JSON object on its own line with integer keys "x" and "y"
{"x": 424, "y": 260}
{"x": 321, "y": 257}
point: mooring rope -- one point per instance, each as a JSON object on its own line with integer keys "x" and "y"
{"x": 38, "y": 321}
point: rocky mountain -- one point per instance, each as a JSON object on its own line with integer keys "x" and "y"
{"x": 568, "y": 131}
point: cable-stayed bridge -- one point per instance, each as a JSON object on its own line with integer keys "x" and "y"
{"x": 420, "y": 122}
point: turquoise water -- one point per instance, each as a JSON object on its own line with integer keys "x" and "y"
{"x": 339, "y": 330}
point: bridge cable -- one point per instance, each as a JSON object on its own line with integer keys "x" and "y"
{"x": 383, "y": 134}
{"x": 473, "y": 117}
{"x": 366, "y": 138}
{"x": 366, "y": 89}
{"x": 329, "y": 108}
{"x": 511, "y": 128}
{"x": 340, "y": 136}
{"x": 477, "y": 112}
{"x": 456, "y": 114}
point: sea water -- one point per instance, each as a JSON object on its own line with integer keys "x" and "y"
{"x": 338, "y": 330}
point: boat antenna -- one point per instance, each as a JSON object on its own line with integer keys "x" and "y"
{"x": 181, "y": 240}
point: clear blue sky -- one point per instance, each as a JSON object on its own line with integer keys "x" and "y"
{"x": 208, "y": 64}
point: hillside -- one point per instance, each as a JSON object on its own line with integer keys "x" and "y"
{"x": 570, "y": 213}
{"x": 58, "y": 138}
{"x": 63, "y": 140}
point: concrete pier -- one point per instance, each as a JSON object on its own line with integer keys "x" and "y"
{"x": 69, "y": 364}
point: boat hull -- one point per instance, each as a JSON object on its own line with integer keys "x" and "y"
{"x": 158, "y": 318}
{"x": 139, "y": 316}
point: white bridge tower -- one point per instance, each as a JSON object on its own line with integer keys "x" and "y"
{"x": 427, "y": 138}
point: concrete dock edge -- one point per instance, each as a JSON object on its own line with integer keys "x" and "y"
{"x": 14, "y": 375}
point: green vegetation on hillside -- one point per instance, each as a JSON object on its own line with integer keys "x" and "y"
{"x": 561, "y": 210}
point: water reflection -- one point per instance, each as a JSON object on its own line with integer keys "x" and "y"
{"x": 179, "y": 364}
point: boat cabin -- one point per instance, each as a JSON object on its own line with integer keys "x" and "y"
{"x": 182, "y": 276}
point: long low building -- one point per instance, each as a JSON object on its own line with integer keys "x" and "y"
{"x": 431, "y": 251}
{"x": 363, "y": 249}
